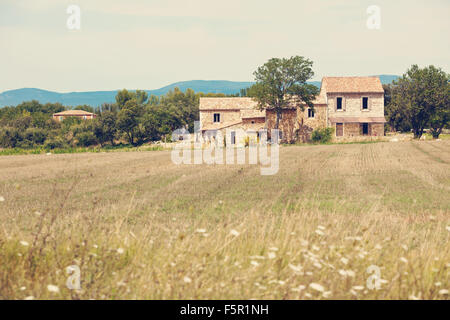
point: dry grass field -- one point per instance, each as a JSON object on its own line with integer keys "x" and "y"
{"x": 140, "y": 227}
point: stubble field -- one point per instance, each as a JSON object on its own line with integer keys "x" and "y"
{"x": 335, "y": 222}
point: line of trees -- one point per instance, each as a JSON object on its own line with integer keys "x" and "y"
{"x": 135, "y": 118}
{"x": 420, "y": 99}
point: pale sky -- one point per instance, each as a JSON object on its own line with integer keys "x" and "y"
{"x": 139, "y": 44}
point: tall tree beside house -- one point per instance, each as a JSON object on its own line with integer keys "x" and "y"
{"x": 282, "y": 82}
{"x": 132, "y": 109}
{"x": 423, "y": 96}
{"x": 396, "y": 116}
{"x": 105, "y": 127}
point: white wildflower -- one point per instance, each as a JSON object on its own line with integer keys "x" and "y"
{"x": 29, "y": 298}
{"x": 272, "y": 255}
{"x": 200, "y": 230}
{"x": 317, "y": 265}
{"x": 254, "y": 263}
{"x": 120, "y": 251}
{"x": 342, "y": 273}
{"x": 24, "y": 243}
{"x": 437, "y": 284}
{"x": 295, "y": 268}
{"x": 351, "y": 273}
{"x": 2, "y": 199}
{"x": 413, "y": 297}
{"x": 299, "y": 288}
{"x": 317, "y": 287}
{"x": 344, "y": 260}
{"x": 448, "y": 228}
{"x": 358, "y": 288}
{"x": 187, "y": 279}
{"x": 326, "y": 294}
{"x": 320, "y": 227}
{"x": 443, "y": 292}
{"x": 320, "y": 232}
{"x": 22, "y": 288}
{"x": 403, "y": 259}
{"x": 258, "y": 257}
{"x": 273, "y": 249}
{"x": 234, "y": 233}
{"x": 53, "y": 288}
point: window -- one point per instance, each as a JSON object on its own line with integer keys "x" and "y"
{"x": 339, "y": 129}
{"x": 61, "y": 118}
{"x": 216, "y": 117}
{"x": 365, "y": 103}
{"x": 339, "y": 103}
{"x": 365, "y": 128}
{"x": 310, "y": 113}
{"x": 233, "y": 137}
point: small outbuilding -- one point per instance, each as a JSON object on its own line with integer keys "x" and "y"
{"x": 81, "y": 114}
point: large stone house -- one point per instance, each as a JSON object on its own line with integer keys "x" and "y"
{"x": 353, "y": 106}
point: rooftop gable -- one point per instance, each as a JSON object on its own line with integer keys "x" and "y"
{"x": 228, "y": 103}
{"x": 73, "y": 113}
{"x": 351, "y": 84}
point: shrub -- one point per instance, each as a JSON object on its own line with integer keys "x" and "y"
{"x": 56, "y": 142}
{"x": 86, "y": 139}
{"x": 35, "y": 135}
{"x": 10, "y": 137}
{"x": 322, "y": 135}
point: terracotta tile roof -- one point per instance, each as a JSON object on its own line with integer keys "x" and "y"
{"x": 352, "y": 84}
{"x": 252, "y": 113}
{"x": 73, "y": 113}
{"x": 358, "y": 120}
{"x": 229, "y": 103}
{"x": 218, "y": 126}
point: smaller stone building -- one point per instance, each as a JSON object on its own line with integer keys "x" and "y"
{"x": 81, "y": 114}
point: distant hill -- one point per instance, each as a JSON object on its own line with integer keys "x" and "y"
{"x": 96, "y": 98}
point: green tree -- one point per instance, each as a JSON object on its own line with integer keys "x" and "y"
{"x": 105, "y": 127}
{"x": 441, "y": 117}
{"x": 422, "y": 94}
{"x": 282, "y": 82}
{"x": 84, "y": 107}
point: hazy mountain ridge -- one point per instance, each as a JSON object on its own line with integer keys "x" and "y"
{"x": 96, "y": 98}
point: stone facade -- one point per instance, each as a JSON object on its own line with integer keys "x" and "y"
{"x": 308, "y": 122}
{"x": 287, "y": 124}
{"x": 352, "y": 105}
{"x": 224, "y": 114}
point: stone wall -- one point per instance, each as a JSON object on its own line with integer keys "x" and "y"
{"x": 226, "y": 117}
{"x": 308, "y": 125}
{"x": 352, "y": 129}
{"x": 352, "y": 105}
{"x": 377, "y": 129}
{"x": 288, "y": 124}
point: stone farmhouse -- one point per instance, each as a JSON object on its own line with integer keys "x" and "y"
{"x": 353, "y": 106}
